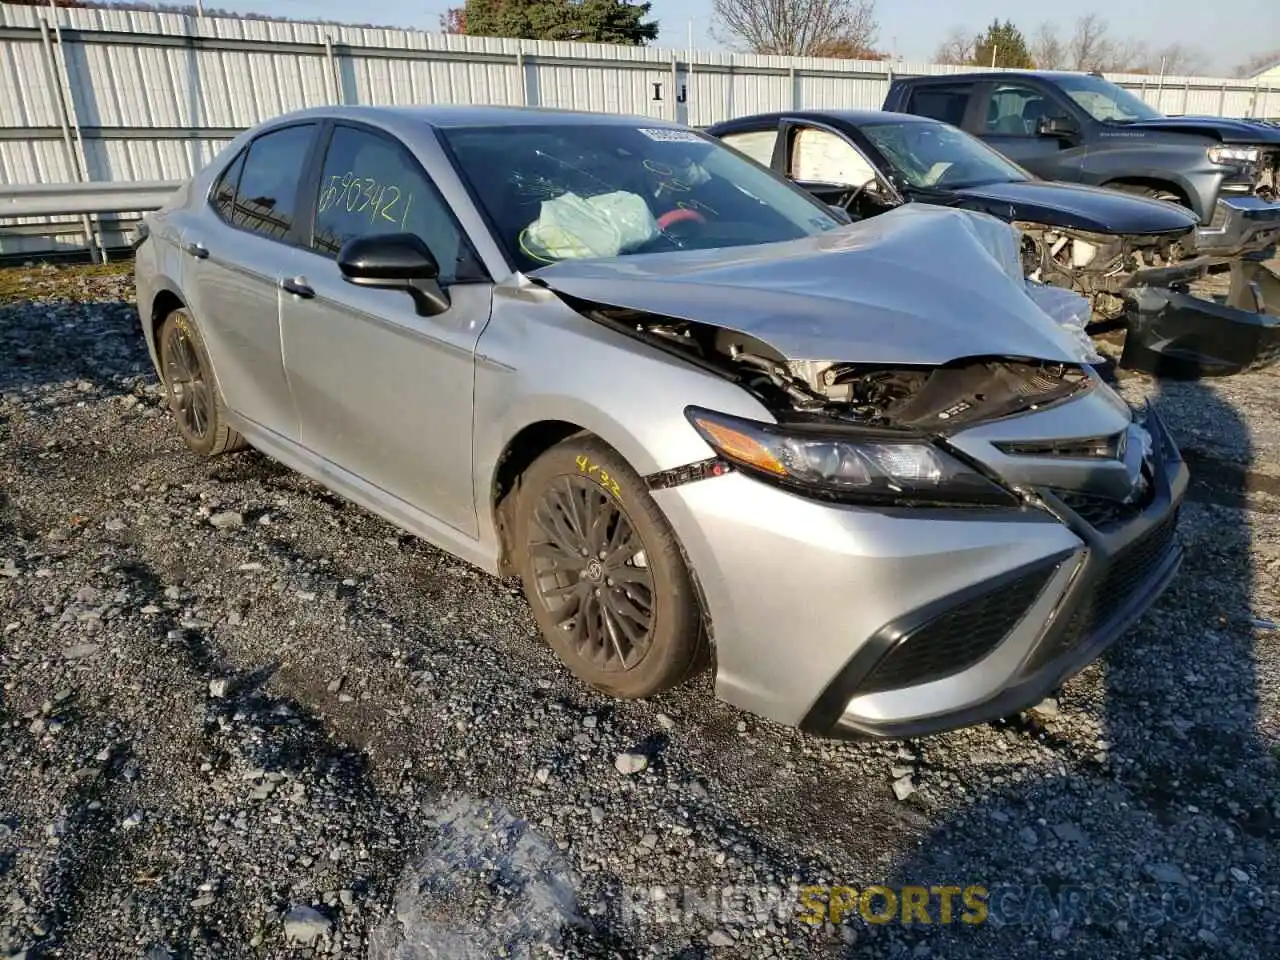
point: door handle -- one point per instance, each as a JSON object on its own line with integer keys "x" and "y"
{"x": 298, "y": 286}
{"x": 197, "y": 250}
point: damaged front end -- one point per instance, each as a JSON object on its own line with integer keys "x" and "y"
{"x": 925, "y": 399}
{"x": 1167, "y": 291}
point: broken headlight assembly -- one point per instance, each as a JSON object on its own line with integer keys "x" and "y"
{"x": 1224, "y": 154}
{"x": 854, "y": 467}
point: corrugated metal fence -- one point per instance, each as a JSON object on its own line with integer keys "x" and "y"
{"x": 124, "y": 95}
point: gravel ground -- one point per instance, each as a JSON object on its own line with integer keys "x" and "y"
{"x": 241, "y": 717}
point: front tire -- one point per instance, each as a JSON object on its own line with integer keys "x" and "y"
{"x": 191, "y": 391}
{"x": 604, "y": 574}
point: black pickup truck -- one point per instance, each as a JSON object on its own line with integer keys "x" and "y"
{"x": 1082, "y": 128}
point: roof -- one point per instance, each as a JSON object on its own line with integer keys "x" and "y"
{"x": 465, "y": 115}
{"x": 855, "y": 118}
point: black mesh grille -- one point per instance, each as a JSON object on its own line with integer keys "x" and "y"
{"x": 1100, "y": 512}
{"x": 957, "y": 638}
{"x": 1124, "y": 574}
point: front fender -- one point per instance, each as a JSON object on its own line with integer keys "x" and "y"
{"x": 538, "y": 360}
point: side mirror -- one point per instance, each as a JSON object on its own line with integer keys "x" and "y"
{"x": 1061, "y": 127}
{"x": 395, "y": 261}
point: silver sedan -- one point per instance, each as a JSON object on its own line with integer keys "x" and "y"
{"x": 857, "y": 469}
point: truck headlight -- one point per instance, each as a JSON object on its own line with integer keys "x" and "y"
{"x": 1224, "y": 154}
{"x": 849, "y": 466}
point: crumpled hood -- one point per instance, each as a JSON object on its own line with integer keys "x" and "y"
{"x": 917, "y": 285}
{"x": 1080, "y": 207}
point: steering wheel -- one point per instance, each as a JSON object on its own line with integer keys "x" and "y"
{"x": 848, "y": 200}
{"x": 680, "y": 215}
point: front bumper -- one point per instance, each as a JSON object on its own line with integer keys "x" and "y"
{"x": 1240, "y": 226}
{"x": 1174, "y": 334}
{"x": 854, "y": 622}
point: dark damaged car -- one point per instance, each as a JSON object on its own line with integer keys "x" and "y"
{"x": 856, "y": 469}
{"x": 1133, "y": 257}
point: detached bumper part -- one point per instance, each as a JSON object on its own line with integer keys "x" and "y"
{"x": 1174, "y": 334}
{"x": 1094, "y": 596}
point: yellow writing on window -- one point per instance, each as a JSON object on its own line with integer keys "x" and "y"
{"x": 368, "y": 197}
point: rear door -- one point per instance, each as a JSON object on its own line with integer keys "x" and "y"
{"x": 1008, "y": 117}
{"x": 383, "y": 392}
{"x": 234, "y": 252}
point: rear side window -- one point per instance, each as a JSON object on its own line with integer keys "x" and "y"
{"x": 371, "y": 184}
{"x": 224, "y": 191}
{"x": 756, "y": 144}
{"x": 268, "y": 187}
{"x": 941, "y": 103}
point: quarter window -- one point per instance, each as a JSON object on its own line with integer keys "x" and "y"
{"x": 1015, "y": 110}
{"x": 945, "y": 103}
{"x": 268, "y": 187}
{"x": 756, "y": 144}
{"x": 371, "y": 185}
{"x": 224, "y": 191}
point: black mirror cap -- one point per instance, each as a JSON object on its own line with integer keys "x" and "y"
{"x": 387, "y": 257}
{"x": 1056, "y": 127}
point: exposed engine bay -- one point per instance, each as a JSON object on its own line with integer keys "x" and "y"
{"x": 934, "y": 399}
{"x": 1096, "y": 266}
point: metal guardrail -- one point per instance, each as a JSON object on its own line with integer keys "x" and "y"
{"x": 97, "y": 197}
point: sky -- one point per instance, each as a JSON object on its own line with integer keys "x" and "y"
{"x": 911, "y": 29}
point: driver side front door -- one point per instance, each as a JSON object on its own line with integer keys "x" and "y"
{"x": 383, "y": 392}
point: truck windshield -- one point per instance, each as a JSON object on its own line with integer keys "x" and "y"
{"x": 567, "y": 191}
{"x": 938, "y": 156}
{"x": 1105, "y": 101}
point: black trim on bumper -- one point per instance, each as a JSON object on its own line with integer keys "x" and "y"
{"x": 1069, "y": 654}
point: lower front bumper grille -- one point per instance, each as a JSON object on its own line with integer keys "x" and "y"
{"x": 1123, "y": 575}
{"x": 959, "y": 637}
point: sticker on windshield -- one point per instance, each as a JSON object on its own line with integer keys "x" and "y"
{"x": 670, "y": 135}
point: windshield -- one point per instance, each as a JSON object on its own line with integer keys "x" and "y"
{"x": 1104, "y": 101}
{"x": 939, "y": 156}
{"x": 558, "y": 192}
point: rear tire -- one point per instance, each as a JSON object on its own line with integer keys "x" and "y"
{"x": 604, "y": 574}
{"x": 191, "y": 391}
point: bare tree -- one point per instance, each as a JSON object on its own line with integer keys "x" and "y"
{"x": 1089, "y": 48}
{"x": 1047, "y": 49}
{"x": 957, "y": 48}
{"x": 797, "y": 28}
{"x": 1177, "y": 58}
{"x": 1258, "y": 62}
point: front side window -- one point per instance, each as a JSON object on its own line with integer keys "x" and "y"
{"x": 370, "y": 184}
{"x": 945, "y": 103}
{"x": 820, "y": 156}
{"x": 756, "y": 144}
{"x": 937, "y": 156}
{"x": 268, "y": 188}
{"x": 570, "y": 191}
{"x": 1015, "y": 110}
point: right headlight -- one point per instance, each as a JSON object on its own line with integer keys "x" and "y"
{"x": 1224, "y": 154}
{"x": 845, "y": 466}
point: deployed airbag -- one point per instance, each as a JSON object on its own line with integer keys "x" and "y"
{"x": 573, "y": 228}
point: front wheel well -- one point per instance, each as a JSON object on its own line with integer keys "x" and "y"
{"x": 165, "y": 303}
{"x": 1150, "y": 183}
{"x": 521, "y": 451}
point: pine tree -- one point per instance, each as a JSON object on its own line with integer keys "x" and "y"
{"x": 1008, "y": 45}
{"x": 591, "y": 21}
